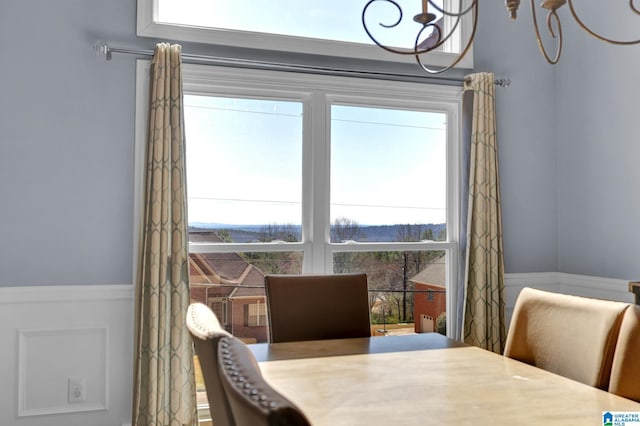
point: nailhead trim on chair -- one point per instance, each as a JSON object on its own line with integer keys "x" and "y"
{"x": 198, "y": 324}
{"x": 233, "y": 371}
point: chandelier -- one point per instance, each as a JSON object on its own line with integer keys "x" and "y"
{"x": 433, "y": 34}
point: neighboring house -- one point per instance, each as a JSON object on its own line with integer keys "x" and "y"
{"x": 231, "y": 287}
{"x": 430, "y": 299}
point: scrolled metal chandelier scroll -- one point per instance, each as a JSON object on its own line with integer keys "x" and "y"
{"x": 433, "y": 33}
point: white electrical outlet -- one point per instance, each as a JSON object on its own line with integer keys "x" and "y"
{"x": 76, "y": 389}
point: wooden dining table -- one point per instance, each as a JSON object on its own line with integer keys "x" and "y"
{"x": 426, "y": 379}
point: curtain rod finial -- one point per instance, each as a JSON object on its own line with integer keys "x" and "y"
{"x": 503, "y": 82}
{"x": 102, "y": 49}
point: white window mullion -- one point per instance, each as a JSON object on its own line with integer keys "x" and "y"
{"x": 319, "y": 206}
{"x": 308, "y": 231}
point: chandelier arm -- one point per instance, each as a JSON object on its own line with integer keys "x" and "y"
{"x": 400, "y": 14}
{"x": 550, "y": 22}
{"x": 366, "y": 28}
{"x": 598, "y": 36}
{"x": 458, "y": 14}
{"x": 462, "y": 54}
{"x": 558, "y": 36}
{"x": 415, "y": 51}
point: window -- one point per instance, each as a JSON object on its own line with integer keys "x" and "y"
{"x": 296, "y": 173}
{"x": 305, "y": 174}
{"x": 256, "y": 314}
{"x": 219, "y": 307}
{"x": 328, "y": 27}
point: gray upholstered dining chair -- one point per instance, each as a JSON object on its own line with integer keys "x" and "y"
{"x": 572, "y": 336}
{"x": 252, "y": 400}
{"x": 315, "y": 307}
{"x": 625, "y": 371}
{"x": 206, "y": 332}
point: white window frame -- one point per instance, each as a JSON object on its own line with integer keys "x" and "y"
{"x": 317, "y": 92}
{"x": 148, "y": 25}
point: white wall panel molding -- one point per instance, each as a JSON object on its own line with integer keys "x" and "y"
{"x": 53, "y": 333}
{"x": 32, "y": 294}
{"x": 78, "y": 353}
{"x": 579, "y": 285}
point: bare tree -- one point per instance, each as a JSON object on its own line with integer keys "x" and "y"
{"x": 279, "y": 232}
{"x": 345, "y": 229}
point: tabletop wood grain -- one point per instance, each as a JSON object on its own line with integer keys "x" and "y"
{"x": 452, "y": 386}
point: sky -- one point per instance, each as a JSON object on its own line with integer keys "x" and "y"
{"x": 244, "y": 162}
{"x": 339, "y": 20}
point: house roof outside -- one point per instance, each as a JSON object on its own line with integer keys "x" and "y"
{"x": 227, "y": 271}
{"x": 434, "y": 273}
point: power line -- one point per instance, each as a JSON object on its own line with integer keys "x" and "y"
{"x": 244, "y": 110}
{"x": 388, "y": 124}
{"x": 300, "y": 115}
{"x": 242, "y": 200}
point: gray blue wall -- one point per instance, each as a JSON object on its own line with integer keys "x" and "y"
{"x": 567, "y": 139}
{"x": 66, "y": 144}
{"x": 598, "y": 147}
{"x": 526, "y": 115}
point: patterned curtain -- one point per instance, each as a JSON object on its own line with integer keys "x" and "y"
{"x": 484, "y": 322}
{"x": 164, "y": 387}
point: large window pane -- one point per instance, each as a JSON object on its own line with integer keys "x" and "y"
{"x": 244, "y": 167}
{"x": 388, "y": 167}
{"x": 407, "y": 289}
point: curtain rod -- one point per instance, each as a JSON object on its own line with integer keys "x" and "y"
{"x": 107, "y": 50}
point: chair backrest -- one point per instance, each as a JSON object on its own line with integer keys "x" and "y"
{"x": 625, "y": 371}
{"x": 206, "y": 332}
{"x": 572, "y": 336}
{"x": 252, "y": 400}
{"x": 314, "y": 307}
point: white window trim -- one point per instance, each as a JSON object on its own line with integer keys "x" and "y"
{"x": 202, "y": 79}
{"x": 149, "y": 26}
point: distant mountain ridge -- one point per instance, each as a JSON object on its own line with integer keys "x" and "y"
{"x": 373, "y": 233}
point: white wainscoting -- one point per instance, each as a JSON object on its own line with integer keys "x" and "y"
{"x": 51, "y": 334}
{"x": 84, "y": 320}
{"x": 578, "y": 285}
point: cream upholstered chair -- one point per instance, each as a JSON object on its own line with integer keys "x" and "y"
{"x": 314, "y": 307}
{"x": 206, "y": 332}
{"x": 625, "y": 371}
{"x": 571, "y": 336}
{"x": 252, "y": 400}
